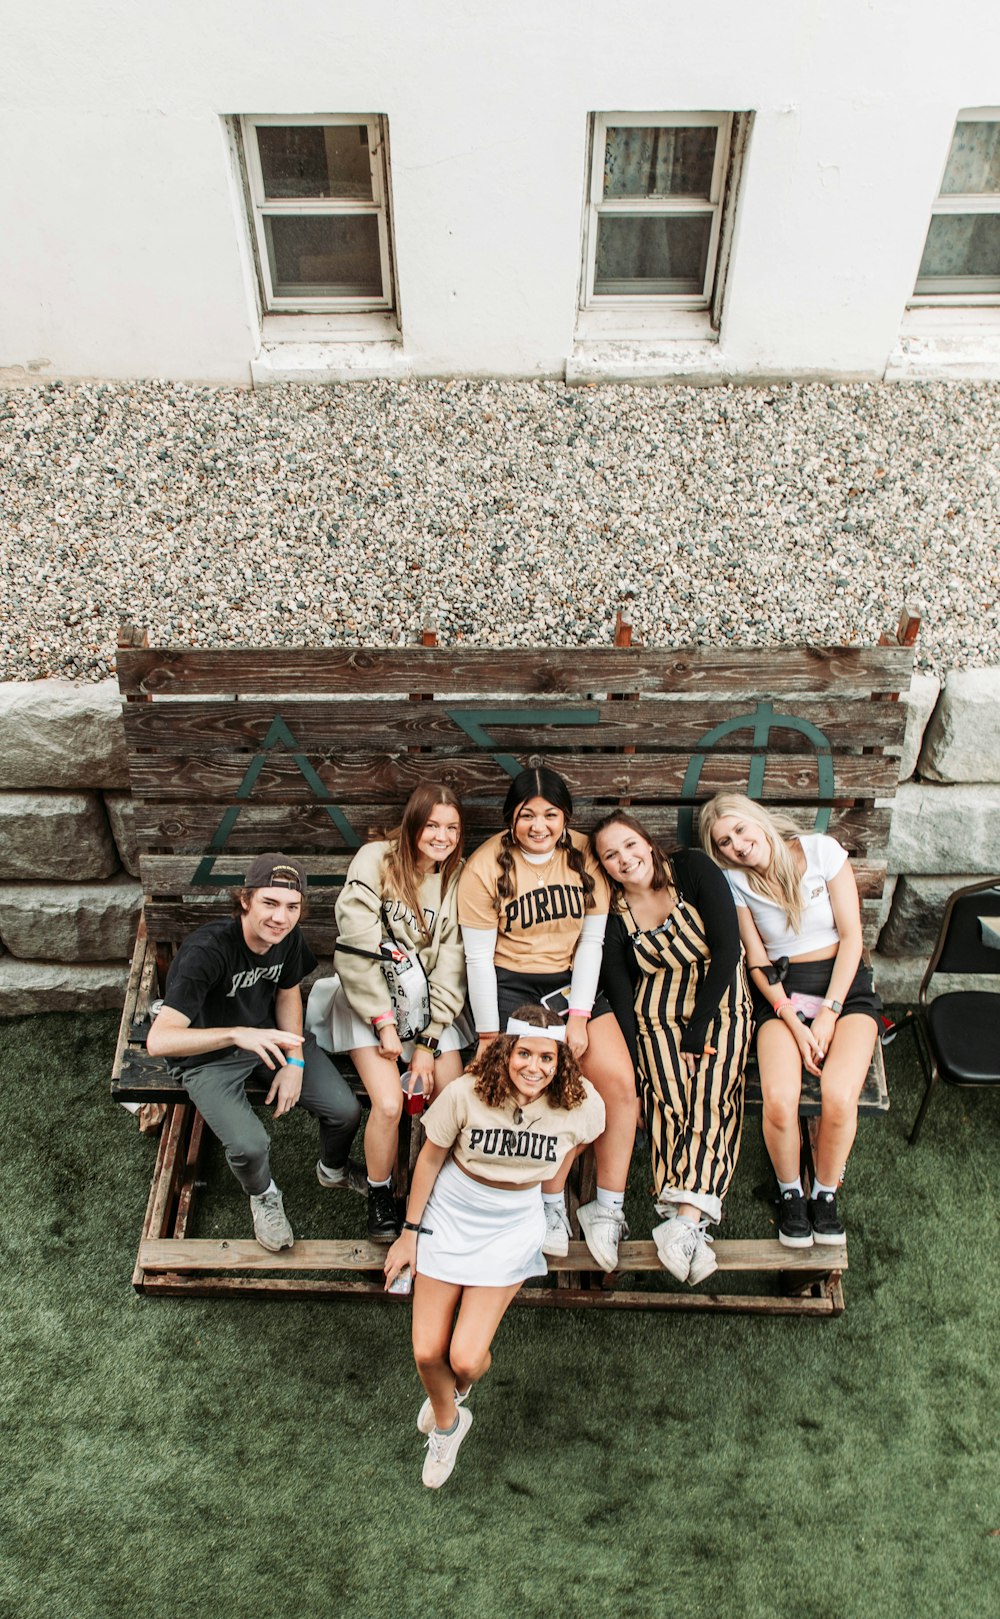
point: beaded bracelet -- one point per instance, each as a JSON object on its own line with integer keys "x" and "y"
{"x": 780, "y": 1007}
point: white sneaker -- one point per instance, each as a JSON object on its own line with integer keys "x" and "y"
{"x": 557, "y": 1231}
{"x": 676, "y": 1240}
{"x": 270, "y": 1223}
{"x": 425, "y": 1416}
{"x": 602, "y": 1229}
{"x": 442, "y": 1449}
{"x": 704, "y": 1261}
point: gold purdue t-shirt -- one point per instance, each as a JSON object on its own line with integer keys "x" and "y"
{"x": 537, "y": 929}
{"x": 493, "y": 1144}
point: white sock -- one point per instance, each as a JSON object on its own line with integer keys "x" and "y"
{"x": 386, "y": 1182}
{"x": 267, "y": 1190}
{"x": 555, "y": 1200}
{"x": 819, "y": 1189}
{"x": 610, "y": 1200}
{"x": 790, "y": 1186}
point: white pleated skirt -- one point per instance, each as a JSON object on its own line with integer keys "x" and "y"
{"x": 337, "y": 1027}
{"x": 481, "y": 1236}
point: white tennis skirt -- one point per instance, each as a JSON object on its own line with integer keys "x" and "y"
{"x": 337, "y": 1027}
{"x": 481, "y": 1236}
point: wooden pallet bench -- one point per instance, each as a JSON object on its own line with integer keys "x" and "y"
{"x": 312, "y": 750}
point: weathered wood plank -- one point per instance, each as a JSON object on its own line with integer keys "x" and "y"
{"x": 172, "y": 874}
{"x": 662, "y": 724}
{"x": 299, "y": 828}
{"x": 204, "y": 1254}
{"x": 758, "y": 672}
{"x": 354, "y": 777}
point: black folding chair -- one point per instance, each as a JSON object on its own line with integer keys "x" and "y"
{"x": 958, "y": 1034}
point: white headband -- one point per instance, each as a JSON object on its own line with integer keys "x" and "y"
{"x": 557, "y": 1032}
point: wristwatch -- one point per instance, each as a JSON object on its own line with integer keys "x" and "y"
{"x": 835, "y": 1006}
{"x": 428, "y": 1042}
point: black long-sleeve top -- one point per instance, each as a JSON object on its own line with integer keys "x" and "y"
{"x": 703, "y": 885}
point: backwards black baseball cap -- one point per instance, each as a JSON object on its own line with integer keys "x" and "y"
{"x": 275, "y": 871}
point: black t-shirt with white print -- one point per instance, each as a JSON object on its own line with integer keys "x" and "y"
{"x": 217, "y": 981}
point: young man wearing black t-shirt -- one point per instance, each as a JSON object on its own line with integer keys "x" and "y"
{"x": 232, "y": 1008}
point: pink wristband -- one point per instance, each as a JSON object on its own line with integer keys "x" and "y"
{"x": 383, "y": 1017}
{"x": 777, "y": 1010}
{"x": 575, "y": 1011}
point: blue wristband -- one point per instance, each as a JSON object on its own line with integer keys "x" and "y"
{"x": 294, "y": 1062}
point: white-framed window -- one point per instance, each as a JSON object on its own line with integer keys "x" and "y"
{"x": 961, "y": 258}
{"x": 655, "y": 204}
{"x": 318, "y": 190}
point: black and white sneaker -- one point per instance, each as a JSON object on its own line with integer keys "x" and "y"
{"x": 794, "y": 1229}
{"x": 383, "y": 1220}
{"x": 827, "y": 1226}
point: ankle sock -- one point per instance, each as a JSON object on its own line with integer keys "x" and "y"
{"x": 790, "y": 1186}
{"x": 447, "y": 1431}
{"x": 610, "y": 1200}
{"x": 819, "y": 1189}
{"x": 554, "y": 1200}
{"x": 375, "y": 1184}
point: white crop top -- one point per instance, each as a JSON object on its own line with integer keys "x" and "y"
{"x": 824, "y": 858}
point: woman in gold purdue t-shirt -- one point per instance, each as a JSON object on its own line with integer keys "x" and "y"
{"x": 474, "y": 1222}
{"x": 533, "y": 906}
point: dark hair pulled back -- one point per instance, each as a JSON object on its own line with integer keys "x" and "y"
{"x": 538, "y": 781}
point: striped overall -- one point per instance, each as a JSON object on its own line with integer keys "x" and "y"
{"x": 694, "y": 1122}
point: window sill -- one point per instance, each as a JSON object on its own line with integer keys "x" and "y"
{"x": 328, "y": 359}
{"x": 938, "y": 343}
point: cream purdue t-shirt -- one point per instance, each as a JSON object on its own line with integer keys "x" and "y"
{"x": 495, "y": 1145}
{"x": 538, "y": 928}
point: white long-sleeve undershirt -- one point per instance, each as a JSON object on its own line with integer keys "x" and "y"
{"x": 480, "y": 950}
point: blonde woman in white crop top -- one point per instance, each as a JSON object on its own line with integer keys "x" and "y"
{"x": 800, "y": 921}
{"x": 474, "y": 1222}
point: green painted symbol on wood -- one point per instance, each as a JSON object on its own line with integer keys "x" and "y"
{"x": 278, "y": 732}
{"x": 473, "y": 722}
{"x": 764, "y": 720}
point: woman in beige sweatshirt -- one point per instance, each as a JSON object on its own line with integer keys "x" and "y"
{"x": 402, "y": 889}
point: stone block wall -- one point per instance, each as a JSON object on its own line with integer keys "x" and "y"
{"x": 69, "y": 900}
{"x": 70, "y": 897}
{"x": 946, "y": 817}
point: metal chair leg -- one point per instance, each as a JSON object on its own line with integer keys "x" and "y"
{"x": 919, "y": 1120}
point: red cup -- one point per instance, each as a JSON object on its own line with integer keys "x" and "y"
{"x": 414, "y": 1099}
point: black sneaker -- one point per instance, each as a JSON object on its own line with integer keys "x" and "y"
{"x": 794, "y": 1229}
{"x": 383, "y": 1221}
{"x": 827, "y": 1226}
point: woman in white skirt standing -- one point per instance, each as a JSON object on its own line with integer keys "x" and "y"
{"x": 403, "y": 889}
{"x": 475, "y": 1223}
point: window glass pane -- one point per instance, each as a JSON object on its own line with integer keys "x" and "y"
{"x": 974, "y": 159}
{"x": 658, "y": 253}
{"x": 667, "y": 162}
{"x": 962, "y": 244}
{"x": 323, "y": 255}
{"x": 315, "y": 160}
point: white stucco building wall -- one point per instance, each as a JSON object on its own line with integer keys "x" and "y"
{"x": 124, "y": 244}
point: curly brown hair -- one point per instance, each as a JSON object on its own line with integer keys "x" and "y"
{"x": 492, "y": 1068}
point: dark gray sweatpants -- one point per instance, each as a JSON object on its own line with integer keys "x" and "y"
{"x": 217, "y": 1087}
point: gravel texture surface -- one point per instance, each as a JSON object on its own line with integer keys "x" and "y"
{"x": 508, "y": 513}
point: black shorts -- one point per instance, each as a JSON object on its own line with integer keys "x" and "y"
{"x": 813, "y": 978}
{"x": 529, "y": 989}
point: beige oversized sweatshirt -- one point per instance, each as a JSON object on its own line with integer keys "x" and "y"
{"x": 364, "y": 916}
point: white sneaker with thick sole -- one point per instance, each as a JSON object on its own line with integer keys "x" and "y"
{"x": 425, "y": 1416}
{"x": 603, "y": 1229}
{"x": 270, "y": 1223}
{"x": 442, "y": 1449}
{"x": 557, "y": 1232}
{"x": 703, "y": 1262}
{"x": 676, "y": 1240}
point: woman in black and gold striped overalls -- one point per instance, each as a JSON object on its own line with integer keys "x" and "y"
{"x": 674, "y": 973}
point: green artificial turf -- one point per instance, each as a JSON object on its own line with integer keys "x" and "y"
{"x": 167, "y": 1459}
